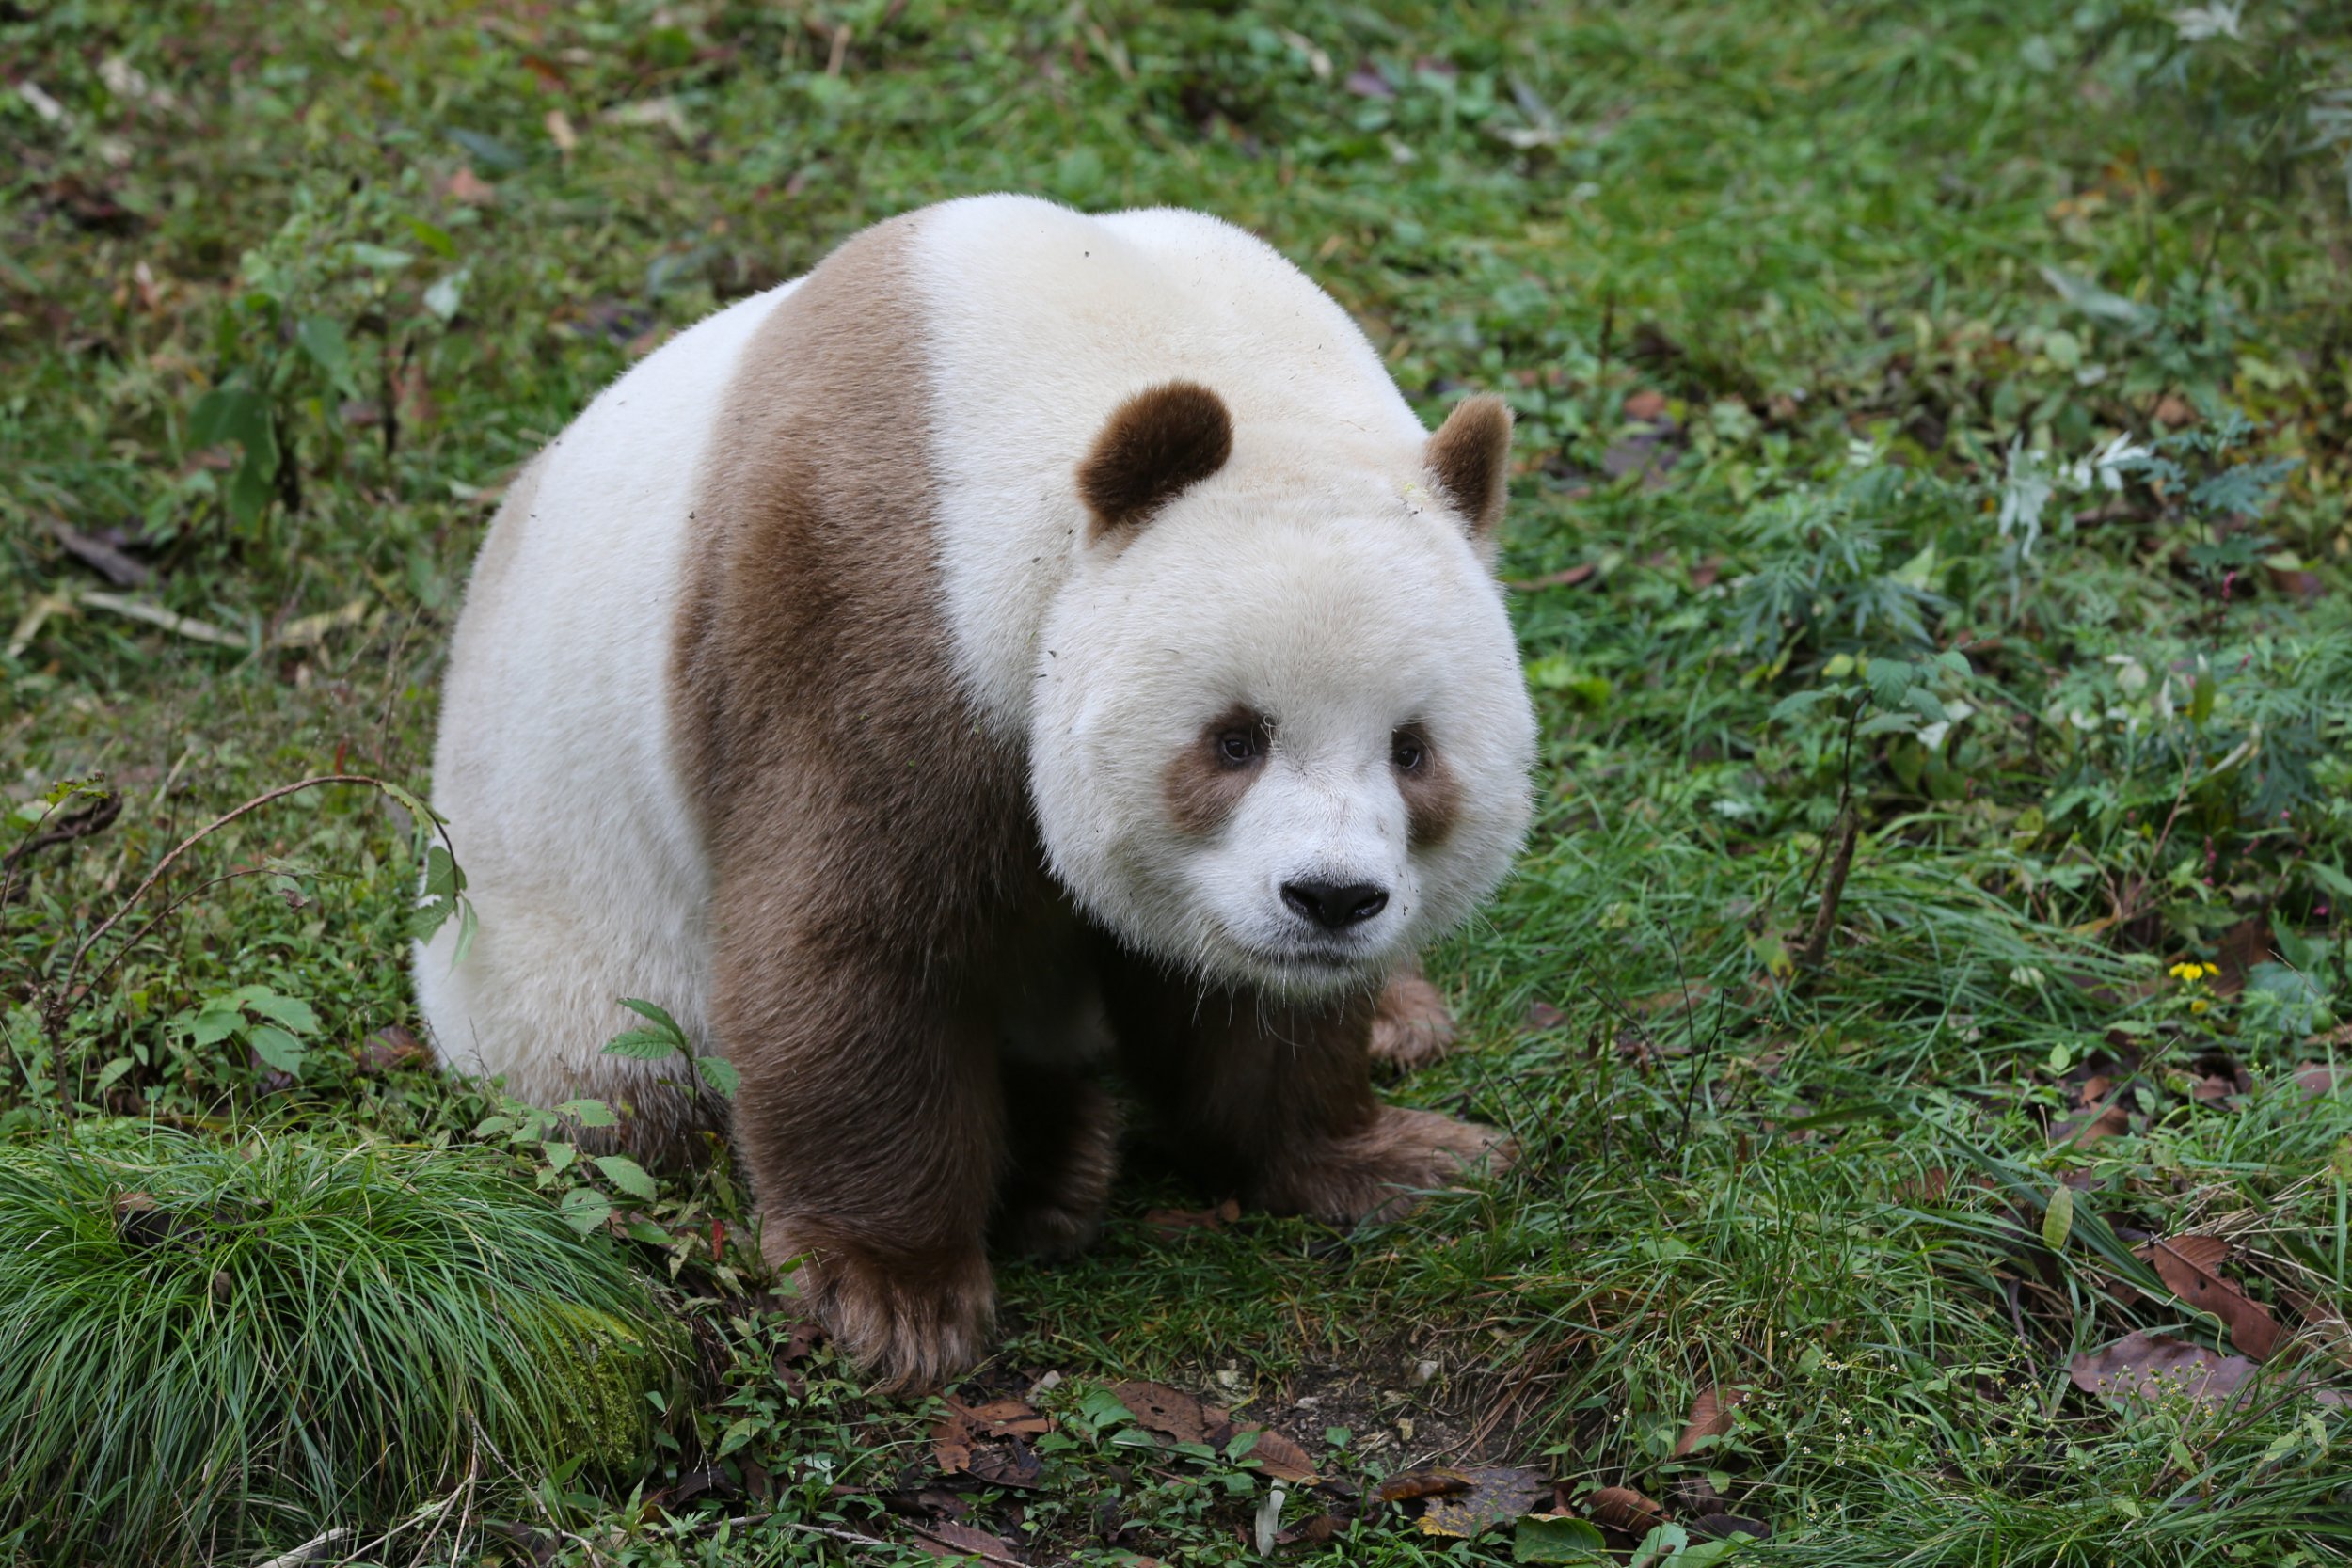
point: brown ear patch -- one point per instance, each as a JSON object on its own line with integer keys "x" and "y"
{"x": 1470, "y": 457}
{"x": 1158, "y": 444}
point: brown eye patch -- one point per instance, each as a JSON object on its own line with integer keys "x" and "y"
{"x": 1209, "y": 774}
{"x": 1433, "y": 796}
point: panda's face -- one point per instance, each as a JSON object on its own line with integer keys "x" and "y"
{"x": 1284, "y": 741}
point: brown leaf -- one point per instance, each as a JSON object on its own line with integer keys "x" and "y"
{"x": 470, "y": 188}
{"x": 1721, "y": 1527}
{"x": 1543, "y": 1015}
{"x": 985, "y": 1442}
{"x": 1188, "y": 1419}
{"x": 2110, "y": 1122}
{"x": 1365, "y": 81}
{"x": 2316, "y": 1079}
{"x": 560, "y": 132}
{"x": 2243, "y": 945}
{"x": 2173, "y": 412}
{"x": 949, "y": 1539}
{"x": 2190, "y": 1267}
{"x": 1495, "y": 1495}
{"x": 1621, "y": 1507}
{"x": 390, "y": 1047}
{"x": 1710, "y": 1417}
{"x": 1280, "y": 1458}
{"x": 1430, "y": 1481}
{"x": 1176, "y": 1221}
{"x": 1567, "y": 577}
{"x": 2149, "y": 1365}
{"x": 1647, "y": 403}
{"x": 1165, "y": 1411}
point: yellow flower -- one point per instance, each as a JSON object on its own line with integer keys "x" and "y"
{"x": 2184, "y": 972}
{"x": 2198, "y": 1006}
{"x": 2212, "y": 968}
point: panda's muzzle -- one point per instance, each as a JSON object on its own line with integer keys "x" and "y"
{"x": 1335, "y": 906}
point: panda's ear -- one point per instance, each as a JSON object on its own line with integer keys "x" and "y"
{"x": 1470, "y": 458}
{"x": 1157, "y": 445}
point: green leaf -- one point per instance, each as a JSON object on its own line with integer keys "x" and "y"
{"x": 322, "y": 337}
{"x": 467, "y": 924}
{"x": 377, "y": 257}
{"x": 588, "y": 1113}
{"x": 212, "y": 1026}
{"x": 488, "y": 150}
{"x": 295, "y": 1013}
{"x": 626, "y": 1174}
{"x": 2057, "y": 1220}
{"x": 276, "y": 1047}
{"x": 110, "y": 1074}
{"x": 641, "y": 1045}
{"x": 559, "y": 1156}
{"x": 584, "y": 1208}
{"x": 1797, "y": 702}
{"x": 432, "y": 237}
{"x": 1555, "y": 1538}
{"x": 719, "y": 1073}
{"x": 443, "y": 876}
{"x": 647, "y": 1232}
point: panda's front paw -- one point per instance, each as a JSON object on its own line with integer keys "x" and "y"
{"x": 1411, "y": 1027}
{"x": 1387, "y": 1169}
{"x": 912, "y": 1323}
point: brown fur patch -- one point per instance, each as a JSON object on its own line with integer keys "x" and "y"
{"x": 1276, "y": 1096}
{"x": 1469, "y": 457}
{"x": 869, "y": 843}
{"x": 1410, "y": 1026}
{"x": 1433, "y": 796}
{"x": 1200, "y": 786}
{"x": 1157, "y": 444}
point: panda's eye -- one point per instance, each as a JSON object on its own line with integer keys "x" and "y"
{"x": 1405, "y": 750}
{"x": 1237, "y": 746}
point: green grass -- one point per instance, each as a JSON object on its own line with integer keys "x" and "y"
{"x": 206, "y": 1347}
{"x": 1800, "y": 308}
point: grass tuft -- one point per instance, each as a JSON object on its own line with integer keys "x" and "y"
{"x": 208, "y": 1349}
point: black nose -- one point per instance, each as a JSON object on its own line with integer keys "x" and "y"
{"x": 1334, "y": 906}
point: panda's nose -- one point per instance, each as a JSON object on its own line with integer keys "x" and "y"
{"x": 1335, "y": 906}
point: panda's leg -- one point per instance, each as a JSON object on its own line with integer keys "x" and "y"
{"x": 1410, "y": 1026}
{"x": 1274, "y": 1097}
{"x": 871, "y": 1120}
{"x": 1061, "y": 1150}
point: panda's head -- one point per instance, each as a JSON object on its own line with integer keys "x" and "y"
{"x": 1281, "y": 734}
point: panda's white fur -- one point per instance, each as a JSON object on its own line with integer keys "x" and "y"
{"x": 1321, "y": 577}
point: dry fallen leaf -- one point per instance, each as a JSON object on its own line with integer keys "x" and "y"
{"x": 469, "y": 188}
{"x": 390, "y": 1047}
{"x": 1430, "y": 1481}
{"x": 949, "y": 1539}
{"x": 1176, "y": 1221}
{"x": 2243, "y": 945}
{"x": 2316, "y": 1079}
{"x": 1621, "y": 1507}
{"x": 985, "y": 1442}
{"x": 1710, "y": 1417}
{"x": 2190, "y": 1267}
{"x": 2110, "y": 1122}
{"x": 1494, "y": 1495}
{"x": 1190, "y": 1420}
{"x": 2149, "y": 1366}
{"x": 1647, "y": 403}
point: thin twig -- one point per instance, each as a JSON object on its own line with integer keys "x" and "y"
{"x": 1825, "y": 919}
